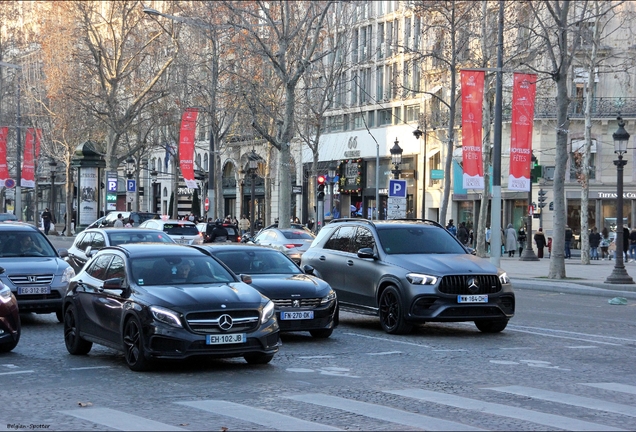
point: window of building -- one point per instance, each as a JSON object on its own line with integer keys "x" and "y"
{"x": 371, "y": 119}
{"x": 198, "y": 164}
{"x": 345, "y": 122}
{"x": 412, "y": 113}
{"x": 354, "y": 47}
{"x": 434, "y": 163}
{"x": 384, "y": 117}
{"x": 379, "y": 83}
{"x": 358, "y": 122}
{"x": 417, "y": 30}
{"x": 397, "y": 115}
{"x": 408, "y": 26}
{"x": 381, "y": 47}
{"x": 205, "y": 161}
{"x": 389, "y": 38}
{"x": 388, "y": 73}
{"x": 355, "y": 83}
{"x": 395, "y": 84}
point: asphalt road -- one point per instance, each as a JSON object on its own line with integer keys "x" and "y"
{"x": 565, "y": 362}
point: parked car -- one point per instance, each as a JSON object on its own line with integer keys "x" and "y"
{"x": 408, "y": 272}
{"x": 97, "y": 223}
{"x": 170, "y": 302}
{"x": 137, "y": 217}
{"x": 97, "y": 238}
{"x": 9, "y": 319}
{"x": 34, "y": 271}
{"x": 4, "y": 217}
{"x": 182, "y": 232}
{"x": 233, "y": 234}
{"x": 303, "y": 302}
{"x": 292, "y": 241}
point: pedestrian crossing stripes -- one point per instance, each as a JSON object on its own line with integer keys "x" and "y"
{"x": 359, "y": 411}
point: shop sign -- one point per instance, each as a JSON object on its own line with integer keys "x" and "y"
{"x": 437, "y": 174}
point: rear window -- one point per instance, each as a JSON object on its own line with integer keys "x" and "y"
{"x": 117, "y": 238}
{"x": 297, "y": 235}
{"x": 180, "y": 229}
{"x": 230, "y": 230}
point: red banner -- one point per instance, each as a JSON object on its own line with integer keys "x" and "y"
{"x": 472, "y": 107}
{"x": 186, "y": 146}
{"x": 523, "y": 94}
{"x": 4, "y": 170}
{"x": 28, "y": 168}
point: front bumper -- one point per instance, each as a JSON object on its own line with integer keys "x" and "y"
{"x": 325, "y": 317}
{"x": 41, "y": 303}
{"x": 9, "y": 322}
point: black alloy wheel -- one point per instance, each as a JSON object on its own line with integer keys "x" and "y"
{"x": 74, "y": 343}
{"x": 391, "y": 313}
{"x": 491, "y": 326}
{"x": 134, "y": 346}
{"x": 321, "y": 333}
{"x": 258, "y": 358}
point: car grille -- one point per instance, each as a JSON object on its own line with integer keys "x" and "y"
{"x": 31, "y": 279}
{"x": 303, "y": 303}
{"x": 208, "y": 322}
{"x": 487, "y": 284}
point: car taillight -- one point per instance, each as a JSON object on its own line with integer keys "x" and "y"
{"x": 290, "y": 245}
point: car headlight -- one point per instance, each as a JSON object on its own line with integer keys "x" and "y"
{"x": 329, "y": 297}
{"x": 503, "y": 278}
{"x": 165, "y": 316}
{"x": 421, "y": 279}
{"x": 68, "y": 274}
{"x": 268, "y": 312}
{"x": 5, "y": 293}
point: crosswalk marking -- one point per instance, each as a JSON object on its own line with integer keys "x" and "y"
{"x": 17, "y": 372}
{"x": 120, "y": 420}
{"x": 568, "y": 399}
{"x": 551, "y": 420}
{"x": 623, "y": 388}
{"x": 382, "y": 413}
{"x": 256, "y": 415}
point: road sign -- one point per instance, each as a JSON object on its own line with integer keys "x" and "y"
{"x": 130, "y": 197}
{"x": 131, "y": 185}
{"x": 397, "y": 188}
{"x": 206, "y": 204}
{"x": 9, "y": 183}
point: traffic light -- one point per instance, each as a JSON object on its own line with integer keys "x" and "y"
{"x": 320, "y": 182}
{"x": 542, "y": 197}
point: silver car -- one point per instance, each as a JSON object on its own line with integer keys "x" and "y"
{"x": 292, "y": 241}
{"x": 181, "y": 231}
{"x": 34, "y": 271}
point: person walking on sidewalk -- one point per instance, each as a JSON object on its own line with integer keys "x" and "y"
{"x": 626, "y": 242}
{"x": 511, "y": 240}
{"x": 632, "y": 244}
{"x": 595, "y": 241}
{"x": 568, "y": 241}
{"x": 521, "y": 238}
{"x": 539, "y": 239}
{"x": 605, "y": 242}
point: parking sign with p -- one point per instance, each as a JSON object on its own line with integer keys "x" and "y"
{"x": 397, "y": 188}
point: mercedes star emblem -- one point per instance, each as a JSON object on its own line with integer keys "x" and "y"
{"x": 473, "y": 285}
{"x": 225, "y": 322}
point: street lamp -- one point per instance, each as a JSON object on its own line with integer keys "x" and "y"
{"x": 153, "y": 178}
{"x": 331, "y": 172}
{"x": 396, "y": 159}
{"x": 130, "y": 163}
{"x": 253, "y": 160}
{"x": 53, "y": 168}
{"x": 619, "y": 274}
{"x": 417, "y": 133}
{"x": 528, "y": 253}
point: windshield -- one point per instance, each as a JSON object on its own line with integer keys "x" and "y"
{"x": 117, "y": 238}
{"x": 195, "y": 270}
{"x": 257, "y": 261}
{"x": 180, "y": 229}
{"x": 418, "y": 240}
{"x": 25, "y": 244}
{"x": 297, "y": 235}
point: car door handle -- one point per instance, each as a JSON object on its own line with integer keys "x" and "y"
{"x": 349, "y": 263}
{"x": 322, "y": 258}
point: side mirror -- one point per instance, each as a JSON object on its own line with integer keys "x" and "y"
{"x": 2, "y": 270}
{"x": 62, "y": 252}
{"x": 366, "y": 253}
{"x": 308, "y": 269}
{"x": 246, "y": 278}
{"x": 113, "y": 284}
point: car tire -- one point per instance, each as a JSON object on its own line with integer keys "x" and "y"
{"x": 391, "y": 312}
{"x": 258, "y": 358}
{"x": 321, "y": 333}
{"x": 491, "y": 326}
{"x": 59, "y": 314}
{"x": 134, "y": 350}
{"x": 8, "y": 346}
{"x": 75, "y": 345}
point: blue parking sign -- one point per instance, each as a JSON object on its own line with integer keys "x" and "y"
{"x": 131, "y": 185}
{"x": 397, "y": 188}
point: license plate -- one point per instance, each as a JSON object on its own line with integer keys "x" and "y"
{"x": 225, "y": 339}
{"x": 183, "y": 241}
{"x": 297, "y": 315}
{"x": 34, "y": 290}
{"x": 472, "y": 299}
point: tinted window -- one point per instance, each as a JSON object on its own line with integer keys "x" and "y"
{"x": 364, "y": 239}
{"x": 230, "y": 230}
{"x": 86, "y": 241}
{"x": 341, "y": 239}
{"x": 117, "y": 269}
{"x": 98, "y": 241}
{"x": 297, "y": 235}
{"x": 258, "y": 261}
{"x": 170, "y": 271}
{"x": 180, "y": 229}
{"x": 118, "y": 237}
{"x": 418, "y": 240}
{"x": 99, "y": 266}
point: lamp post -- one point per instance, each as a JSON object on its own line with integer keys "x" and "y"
{"x": 528, "y": 253}
{"x": 619, "y": 274}
{"x": 253, "y": 160}
{"x": 53, "y": 169}
{"x": 396, "y": 159}
{"x": 417, "y": 133}
{"x": 17, "y": 209}
{"x": 153, "y": 178}
{"x": 331, "y": 172}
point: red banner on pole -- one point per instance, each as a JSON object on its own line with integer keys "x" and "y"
{"x": 472, "y": 106}
{"x": 186, "y": 146}
{"x": 523, "y": 94}
{"x": 4, "y": 170}
{"x": 28, "y": 167}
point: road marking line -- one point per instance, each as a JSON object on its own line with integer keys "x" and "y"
{"x": 450, "y": 350}
{"x": 384, "y": 353}
{"x": 120, "y": 420}
{"x": 388, "y": 340}
{"x": 567, "y": 399}
{"x": 258, "y": 416}
{"x": 16, "y": 372}
{"x": 515, "y": 326}
{"x": 564, "y": 337}
{"x": 518, "y": 348}
{"x": 582, "y": 347}
{"x": 90, "y": 367}
{"x": 316, "y": 357}
{"x": 551, "y": 420}
{"x": 380, "y": 412}
{"x": 623, "y": 388}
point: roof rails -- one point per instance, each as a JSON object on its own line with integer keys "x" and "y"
{"x": 370, "y": 222}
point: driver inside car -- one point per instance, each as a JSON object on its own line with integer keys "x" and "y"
{"x": 27, "y": 245}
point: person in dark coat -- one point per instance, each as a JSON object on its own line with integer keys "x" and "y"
{"x": 219, "y": 234}
{"x": 521, "y": 238}
{"x": 47, "y": 218}
{"x": 462, "y": 233}
{"x": 568, "y": 241}
{"x": 209, "y": 227}
{"x": 595, "y": 241}
{"x": 626, "y": 243}
{"x": 539, "y": 239}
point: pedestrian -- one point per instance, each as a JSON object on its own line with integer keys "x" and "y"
{"x": 568, "y": 241}
{"x": 626, "y": 242}
{"x": 451, "y": 228}
{"x": 209, "y": 227}
{"x": 244, "y": 225}
{"x": 129, "y": 223}
{"x": 632, "y": 244}
{"x": 119, "y": 223}
{"x": 64, "y": 227}
{"x": 612, "y": 249}
{"x": 539, "y": 239}
{"x": 521, "y": 238}
{"x": 219, "y": 234}
{"x": 310, "y": 224}
{"x": 604, "y": 244}
{"x": 511, "y": 240}
{"x": 488, "y": 239}
{"x": 462, "y": 233}
{"x": 595, "y": 241}
{"x": 47, "y": 217}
